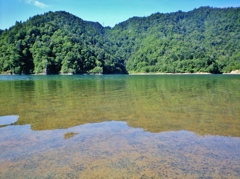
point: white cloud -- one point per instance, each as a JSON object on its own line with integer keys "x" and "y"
{"x": 37, "y": 3}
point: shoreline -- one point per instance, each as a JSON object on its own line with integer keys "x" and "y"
{"x": 234, "y": 72}
{"x": 197, "y": 73}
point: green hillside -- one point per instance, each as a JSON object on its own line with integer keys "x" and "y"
{"x": 56, "y": 42}
{"x": 202, "y": 40}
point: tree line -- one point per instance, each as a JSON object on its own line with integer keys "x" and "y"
{"x": 202, "y": 40}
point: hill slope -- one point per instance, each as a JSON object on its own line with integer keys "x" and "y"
{"x": 203, "y": 40}
{"x": 56, "y": 42}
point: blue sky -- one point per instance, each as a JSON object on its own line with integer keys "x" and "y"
{"x": 106, "y": 12}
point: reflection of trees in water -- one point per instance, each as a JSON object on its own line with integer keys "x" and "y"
{"x": 199, "y": 103}
{"x": 69, "y": 135}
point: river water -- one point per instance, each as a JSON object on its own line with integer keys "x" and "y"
{"x": 120, "y": 126}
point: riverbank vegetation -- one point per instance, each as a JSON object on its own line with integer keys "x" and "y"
{"x": 202, "y": 40}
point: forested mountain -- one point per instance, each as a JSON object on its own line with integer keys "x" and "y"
{"x": 205, "y": 39}
{"x": 202, "y": 40}
{"x": 56, "y": 42}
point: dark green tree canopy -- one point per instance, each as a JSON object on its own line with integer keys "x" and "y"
{"x": 202, "y": 40}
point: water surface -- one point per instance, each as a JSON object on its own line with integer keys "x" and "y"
{"x": 119, "y": 126}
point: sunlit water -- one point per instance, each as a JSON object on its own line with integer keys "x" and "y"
{"x": 152, "y": 126}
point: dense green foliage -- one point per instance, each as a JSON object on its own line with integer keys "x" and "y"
{"x": 56, "y": 43}
{"x": 203, "y": 40}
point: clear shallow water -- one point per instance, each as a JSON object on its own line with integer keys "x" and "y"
{"x": 168, "y": 126}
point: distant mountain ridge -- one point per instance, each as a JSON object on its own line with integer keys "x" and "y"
{"x": 202, "y": 40}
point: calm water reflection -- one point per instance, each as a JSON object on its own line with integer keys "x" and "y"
{"x": 173, "y": 126}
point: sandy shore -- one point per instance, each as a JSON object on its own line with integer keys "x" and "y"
{"x": 197, "y": 73}
{"x": 235, "y": 72}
